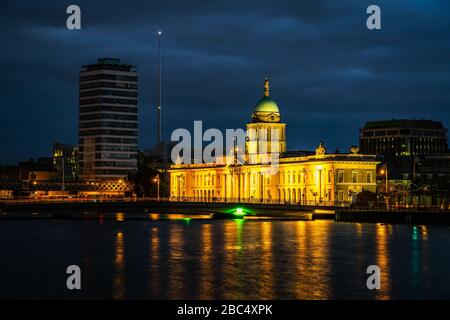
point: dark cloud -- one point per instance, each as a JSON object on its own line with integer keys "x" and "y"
{"x": 329, "y": 74}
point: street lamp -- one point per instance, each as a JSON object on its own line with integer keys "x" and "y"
{"x": 384, "y": 172}
{"x": 63, "y": 187}
{"x": 319, "y": 169}
{"x": 156, "y": 180}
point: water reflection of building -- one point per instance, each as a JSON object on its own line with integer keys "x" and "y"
{"x": 206, "y": 286}
{"x": 119, "y": 265}
{"x": 302, "y": 177}
{"x": 383, "y": 259}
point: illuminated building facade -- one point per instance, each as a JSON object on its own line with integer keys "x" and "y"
{"x": 300, "y": 178}
{"x": 108, "y": 120}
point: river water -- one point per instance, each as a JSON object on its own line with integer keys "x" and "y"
{"x": 228, "y": 259}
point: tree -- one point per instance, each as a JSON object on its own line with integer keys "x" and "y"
{"x": 366, "y": 199}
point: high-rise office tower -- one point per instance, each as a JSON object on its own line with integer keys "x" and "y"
{"x": 108, "y": 120}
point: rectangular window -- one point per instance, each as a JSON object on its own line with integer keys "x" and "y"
{"x": 355, "y": 177}
{"x": 330, "y": 176}
{"x": 340, "y": 195}
{"x": 340, "y": 176}
{"x": 369, "y": 177}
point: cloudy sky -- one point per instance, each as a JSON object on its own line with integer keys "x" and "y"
{"x": 329, "y": 73}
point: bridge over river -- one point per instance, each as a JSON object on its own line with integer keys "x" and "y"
{"x": 151, "y": 208}
{"x": 70, "y": 206}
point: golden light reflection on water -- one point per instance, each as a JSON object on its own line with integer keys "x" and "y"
{"x": 175, "y": 264}
{"x": 382, "y": 253}
{"x": 359, "y": 229}
{"x": 206, "y": 263}
{"x": 319, "y": 266}
{"x": 155, "y": 261}
{"x": 229, "y": 268}
{"x": 119, "y": 276}
{"x": 300, "y": 286}
{"x": 269, "y": 260}
{"x": 267, "y": 276}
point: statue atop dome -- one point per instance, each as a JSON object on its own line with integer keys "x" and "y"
{"x": 266, "y": 109}
{"x": 266, "y": 87}
{"x": 321, "y": 150}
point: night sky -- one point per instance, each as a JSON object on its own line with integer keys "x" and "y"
{"x": 329, "y": 73}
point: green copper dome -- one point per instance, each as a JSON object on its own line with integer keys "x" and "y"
{"x": 266, "y": 104}
{"x": 266, "y": 110}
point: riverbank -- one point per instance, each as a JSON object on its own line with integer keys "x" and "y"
{"x": 394, "y": 217}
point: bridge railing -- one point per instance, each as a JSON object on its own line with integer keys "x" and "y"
{"x": 262, "y": 201}
{"x": 66, "y": 199}
{"x": 347, "y": 205}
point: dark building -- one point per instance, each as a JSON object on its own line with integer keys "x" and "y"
{"x": 27, "y": 170}
{"x": 404, "y": 138}
{"x": 413, "y": 156}
{"x": 108, "y": 120}
{"x": 65, "y": 160}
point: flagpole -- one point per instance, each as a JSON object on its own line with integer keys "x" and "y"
{"x": 159, "y": 87}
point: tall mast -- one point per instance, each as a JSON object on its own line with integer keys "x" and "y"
{"x": 159, "y": 87}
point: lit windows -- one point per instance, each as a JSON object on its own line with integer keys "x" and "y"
{"x": 341, "y": 176}
{"x": 355, "y": 176}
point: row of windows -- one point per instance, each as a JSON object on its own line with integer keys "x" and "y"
{"x": 108, "y": 108}
{"x": 354, "y": 177}
{"x": 108, "y": 100}
{"x": 287, "y": 195}
{"x": 107, "y": 132}
{"x": 407, "y": 132}
{"x": 116, "y": 93}
{"x": 289, "y": 178}
{"x": 108, "y": 77}
{"x": 115, "y": 172}
{"x": 402, "y": 145}
{"x": 119, "y": 164}
{"x": 100, "y": 140}
{"x": 303, "y": 177}
{"x": 100, "y": 84}
{"x": 116, "y": 148}
{"x": 119, "y": 156}
{"x": 204, "y": 180}
{"x": 108, "y": 124}
{"x": 266, "y": 134}
{"x": 113, "y": 116}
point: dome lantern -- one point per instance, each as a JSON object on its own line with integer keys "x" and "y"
{"x": 266, "y": 87}
{"x": 266, "y": 109}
